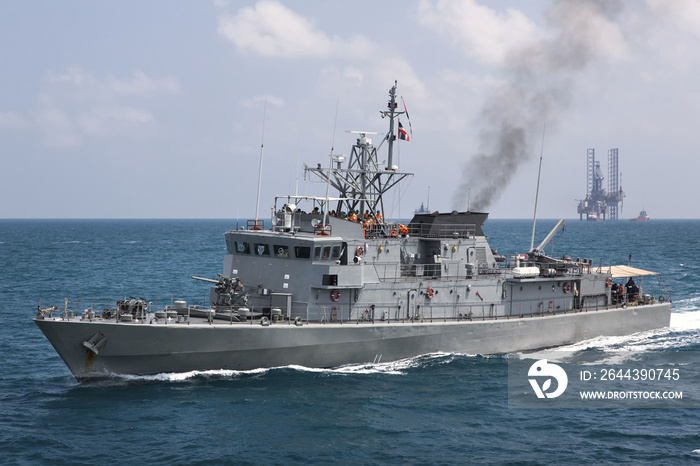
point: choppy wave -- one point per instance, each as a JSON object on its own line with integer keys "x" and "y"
{"x": 685, "y": 305}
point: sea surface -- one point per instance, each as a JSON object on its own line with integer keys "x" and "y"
{"x": 433, "y": 409}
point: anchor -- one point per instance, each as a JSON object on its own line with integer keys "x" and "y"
{"x": 96, "y": 342}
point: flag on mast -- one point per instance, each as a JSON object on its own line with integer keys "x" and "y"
{"x": 410, "y": 128}
{"x": 402, "y": 133}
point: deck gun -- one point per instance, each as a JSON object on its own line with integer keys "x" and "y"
{"x": 229, "y": 291}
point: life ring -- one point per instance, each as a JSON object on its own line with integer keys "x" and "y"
{"x": 335, "y": 295}
{"x": 661, "y": 298}
{"x": 608, "y": 282}
{"x": 567, "y": 287}
{"x": 430, "y": 292}
{"x": 359, "y": 252}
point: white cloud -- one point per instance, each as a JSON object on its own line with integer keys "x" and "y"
{"x": 354, "y": 74}
{"x": 684, "y": 12}
{"x": 77, "y": 104}
{"x": 270, "y": 29}
{"x": 74, "y": 75}
{"x": 10, "y": 120}
{"x": 410, "y": 83}
{"x": 482, "y": 33}
{"x": 269, "y": 99}
{"x": 58, "y": 127}
{"x": 377, "y": 74}
{"x": 140, "y": 83}
{"x": 78, "y": 79}
{"x": 109, "y": 120}
{"x": 470, "y": 81}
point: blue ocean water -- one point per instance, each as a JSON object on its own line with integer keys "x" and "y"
{"x": 434, "y": 409}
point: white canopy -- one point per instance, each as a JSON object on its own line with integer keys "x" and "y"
{"x": 624, "y": 271}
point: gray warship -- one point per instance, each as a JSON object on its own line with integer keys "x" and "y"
{"x": 335, "y": 283}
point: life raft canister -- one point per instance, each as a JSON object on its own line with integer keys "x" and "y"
{"x": 430, "y": 292}
{"x": 335, "y": 295}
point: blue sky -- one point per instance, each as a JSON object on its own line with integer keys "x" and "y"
{"x": 155, "y": 109}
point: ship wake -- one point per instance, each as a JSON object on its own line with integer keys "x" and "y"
{"x": 682, "y": 335}
{"x": 399, "y": 367}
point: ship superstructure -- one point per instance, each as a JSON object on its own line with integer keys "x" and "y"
{"x": 333, "y": 282}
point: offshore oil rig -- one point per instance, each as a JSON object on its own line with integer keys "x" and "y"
{"x": 600, "y": 203}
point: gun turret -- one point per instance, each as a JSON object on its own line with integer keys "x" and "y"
{"x": 208, "y": 280}
{"x": 229, "y": 291}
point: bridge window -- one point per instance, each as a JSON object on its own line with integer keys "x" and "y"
{"x": 281, "y": 251}
{"x": 242, "y": 247}
{"x": 302, "y": 252}
{"x": 317, "y": 253}
{"x": 262, "y": 249}
{"x": 335, "y": 253}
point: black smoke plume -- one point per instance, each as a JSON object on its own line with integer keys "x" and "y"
{"x": 537, "y": 88}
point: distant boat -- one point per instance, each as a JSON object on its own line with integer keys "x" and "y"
{"x": 594, "y": 218}
{"x": 643, "y": 217}
{"x": 422, "y": 210}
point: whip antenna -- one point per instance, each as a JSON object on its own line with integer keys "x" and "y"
{"x": 262, "y": 144}
{"x": 330, "y": 164}
{"x": 537, "y": 193}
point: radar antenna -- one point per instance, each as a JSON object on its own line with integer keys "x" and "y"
{"x": 361, "y": 184}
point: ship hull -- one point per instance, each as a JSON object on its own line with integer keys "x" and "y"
{"x": 142, "y": 349}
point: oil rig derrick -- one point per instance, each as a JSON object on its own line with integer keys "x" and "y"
{"x": 600, "y": 203}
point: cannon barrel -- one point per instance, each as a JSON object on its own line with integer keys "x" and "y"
{"x": 206, "y": 280}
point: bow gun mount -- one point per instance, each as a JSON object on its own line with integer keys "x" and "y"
{"x": 229, "y": 292}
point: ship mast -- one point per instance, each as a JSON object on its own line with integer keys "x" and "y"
{"x": 362, "y": 183}
{"x": 391, "y": 113}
